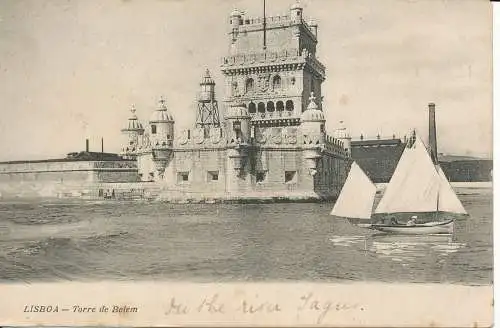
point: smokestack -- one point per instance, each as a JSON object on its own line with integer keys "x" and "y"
{"x": 432, "y": 133}
{"x": 102, "y": 145}
{"x": 87, "y": 145}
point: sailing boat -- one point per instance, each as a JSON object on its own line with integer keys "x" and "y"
{"x": 418, "y": 193}
{"x": 356, "y": 198}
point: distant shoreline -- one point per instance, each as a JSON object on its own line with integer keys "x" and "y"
{"x": 477, "y": 184}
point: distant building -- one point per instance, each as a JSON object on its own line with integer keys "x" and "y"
{"x": 466, "y": 169}
{"x": 377, "y": 157}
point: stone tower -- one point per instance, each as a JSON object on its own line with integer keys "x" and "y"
{"x": 161, "y": 129}
{"x": 272, "y": 67}
{"x": 207, "y": 115}
{"x": 343, "y": 135}
{"x": 133, "y": 131}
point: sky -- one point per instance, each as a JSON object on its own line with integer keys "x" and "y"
{"x": 72, "y": 69}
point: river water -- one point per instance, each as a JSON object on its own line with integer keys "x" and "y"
{"x": 91, "y": 241}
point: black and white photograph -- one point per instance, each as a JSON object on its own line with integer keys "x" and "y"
{"x": 341, "y": 143}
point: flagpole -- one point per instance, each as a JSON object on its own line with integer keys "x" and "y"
{"x": 264, "y": 24}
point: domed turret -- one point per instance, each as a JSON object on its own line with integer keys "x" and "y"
{"x": 235, "y": 18}
{"x": 161, "y": 126}
{"x": 312, "y": 114}
{"x": 342, "y": 134}
{"x": 296, "y": 6}
{"x": 133, "y": 123}
{"x": 296, "y": 13}
{"x": 161, "y": 114}
{"x": 312, "y": 126}
{"x": 313, "y": 122}
{"x": 238, "y": 122}
{"x": 132, "y": 132}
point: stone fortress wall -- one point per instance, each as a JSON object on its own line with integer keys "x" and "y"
{"x": 51, "y": 178}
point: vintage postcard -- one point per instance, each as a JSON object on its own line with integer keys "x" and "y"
{"x": 246, "y": 163}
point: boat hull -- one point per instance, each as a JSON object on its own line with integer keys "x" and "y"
{"x": 430, "y": 228}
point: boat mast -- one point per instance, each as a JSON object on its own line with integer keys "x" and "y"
{"x": 437, "y": 206}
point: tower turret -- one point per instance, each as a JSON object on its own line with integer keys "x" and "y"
{"x": 342, "y": 134}
{"x": 235, "y": 21}
{"x": 238, "y": 122}
{"x": 296, "y": 13}
{"x": 161, "y": 126}
{"x": 132, "y": 131}
{"x": 162, "y": 135}
{"x": 238, "y": 135}
{"x": 313, "y": 121}
{"x": 208, "y": 112}
{"x": 312, "y": 126}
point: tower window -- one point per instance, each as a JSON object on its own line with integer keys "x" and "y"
{"x": 260, "y": 176}
{"x": 153, "y": 129}
{"x": 249, "y": 85}
{"x": 289, "y": 105}
{"x": 261, "y": 107}
{"x": 182, "y": 176}
{"x": 290, "y": 176}
{"x": 213, "y": 175}
{"x": 279, "y": 106}
{"x": 270, "y": 106}
{"x": 276, "y": 82}
{"x": 251, "y": 108}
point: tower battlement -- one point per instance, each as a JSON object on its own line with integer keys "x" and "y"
{"x": 247, "y": 24}
{"x": 272, "y": 66}
{"x": 256, "y": 61}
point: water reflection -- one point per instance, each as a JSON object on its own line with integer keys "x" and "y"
{"x": 402, "y": 248}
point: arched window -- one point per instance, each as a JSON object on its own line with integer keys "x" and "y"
{"x": 270, "y": 106}
{"x": 249, "y": 85}
{"x": 289, "y": 105}
{"x": 153, "y": 129}
{"x": 251, "y": 108}
{"x": 279, "y": 106}
{"x": 276, "y": 82}
{"x": 261, "y": 107}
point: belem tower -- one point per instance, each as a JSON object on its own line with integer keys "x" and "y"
{"x": 266, "y": 139}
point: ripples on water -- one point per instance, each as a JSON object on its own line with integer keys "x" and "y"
{"x": 272, "y": 242}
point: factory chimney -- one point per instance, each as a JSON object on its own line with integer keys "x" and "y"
{"x": 102, "y": 145}
{"x": 432, "y": 133}
{"x": 87, "y": 145}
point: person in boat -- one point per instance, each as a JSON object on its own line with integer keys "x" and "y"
{"x": 412, "y": 221}
{"x": 393, "y": 221}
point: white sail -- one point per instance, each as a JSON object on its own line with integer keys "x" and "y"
{"x": 448, "y": 200}
{"x": 357, "y": 195}
{"x": 415, "y": 184}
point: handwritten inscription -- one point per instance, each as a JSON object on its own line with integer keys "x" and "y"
{"x": 307, "y": 304}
